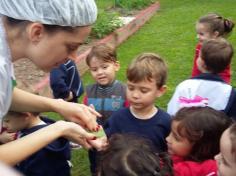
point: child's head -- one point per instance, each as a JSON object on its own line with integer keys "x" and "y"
{"x": 16, "y": 121}
{"x": 146, "y": 78}
{"x": 215, "y": 56}
{"x": 103, "y": 64}
{"x": 226, "y": 159}
{"x": 129, "y": 155}
{"x": 212, "y": 26}
{"x": 195, "y": 133}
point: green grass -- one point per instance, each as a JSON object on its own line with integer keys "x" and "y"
{"x": 105, "y": 4}
{"x": 171, "y": 34}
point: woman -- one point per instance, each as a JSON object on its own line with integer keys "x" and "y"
{"x": 47, "y": 32}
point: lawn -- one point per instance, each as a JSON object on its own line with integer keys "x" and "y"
{"x": 171, "y": 34}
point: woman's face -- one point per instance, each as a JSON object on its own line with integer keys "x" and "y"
{"x": 52, "y": 49}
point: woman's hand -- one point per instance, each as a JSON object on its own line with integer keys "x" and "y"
{"x": 78, "y": 113}
{"x": 75, "y": 133}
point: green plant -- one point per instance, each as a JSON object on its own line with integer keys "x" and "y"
{"x": 132, "y": 4}
{"x": 106, "y": 23}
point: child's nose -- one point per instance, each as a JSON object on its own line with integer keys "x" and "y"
{"x": 217, "y": 157}
{"x": 135, "y": 94}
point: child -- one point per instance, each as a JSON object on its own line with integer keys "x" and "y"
{"x": 226, "y": 161}
{"x": 65, "y": 82}
{"x": 107, "y": 95}
{"x": 131, "y": 155}
{"x": 208, "y": 88}
{"x": 194, "y": 140}
{"x": 212, "y": 26}
{"x": 146, "y": 82}
{"x": 51, "y": 160}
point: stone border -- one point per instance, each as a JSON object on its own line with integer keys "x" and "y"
{"x": 115, "y": 39}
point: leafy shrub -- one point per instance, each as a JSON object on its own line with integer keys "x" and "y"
{"x": 133, "y": 4}
{"x": 106, "y": 23}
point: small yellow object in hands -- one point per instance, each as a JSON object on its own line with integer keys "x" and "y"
{"x": 100, "y": 133}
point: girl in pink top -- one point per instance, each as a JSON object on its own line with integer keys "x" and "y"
{"x": 208, "y": 27}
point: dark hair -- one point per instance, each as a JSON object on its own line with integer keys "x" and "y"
{"x": 103, "y": 52}
{"x": 49, "y": 28}
{"x": 232, "y": 133}
{"x": 148, "y": 66}
{"x": 21, "y": 114}
{"x": 217, "y": 23}
{"x": 203, "y": 127}
{"x": 129, "y": 155}
{"x": 217, "y": 54}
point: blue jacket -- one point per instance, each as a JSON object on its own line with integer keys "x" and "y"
{"x": 64, "y": 79}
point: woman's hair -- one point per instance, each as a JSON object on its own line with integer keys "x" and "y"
{"x": 232, "y": 133}
{"x": 129, "y": 155}
{"x": 49, "y": 28}
{"x": 148, "y": 66}
{"x": 217, "y": 54}
{"x": 203, "y": 127}
{"x": 21, "y": 114}
{"x": 102, "y": 51}
{"x": 217, "y": 23}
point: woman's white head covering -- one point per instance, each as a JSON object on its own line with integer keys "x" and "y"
{"x": 53, "y": 12}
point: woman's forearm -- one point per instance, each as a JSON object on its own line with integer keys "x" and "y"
{"x": 27, "y": 102}
{"x": 13, "y": 152}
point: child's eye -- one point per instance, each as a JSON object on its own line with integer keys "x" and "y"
{"x": 93, "y": 69}
{"x": 144, "y": 91}
{"x": 177, "y": 138}
{"x": 104, "y": 67}
{"x": 130, "y": 88}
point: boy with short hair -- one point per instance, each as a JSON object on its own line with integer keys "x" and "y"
{"x": 208, "y": 88}
{"x": 146, "y": 78}
{"x": 107, "y": 94}
{"x": 52, "y": 160}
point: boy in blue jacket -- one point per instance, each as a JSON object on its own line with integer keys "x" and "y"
{"x": 65, "y": 82}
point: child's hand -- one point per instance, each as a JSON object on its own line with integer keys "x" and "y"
{"x": 6, "y": 137}
{"x": 100, "y": 143}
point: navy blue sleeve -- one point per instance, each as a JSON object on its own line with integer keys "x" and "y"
{"x": 112, "y": 124}
{"x": 231, "y": 108}
{"x": 58, "y": 82}
{"x": 58, "y": 145}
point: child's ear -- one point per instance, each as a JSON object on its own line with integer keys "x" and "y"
{"x": 161, "y": 90}
{"x": 117, "y": 65}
